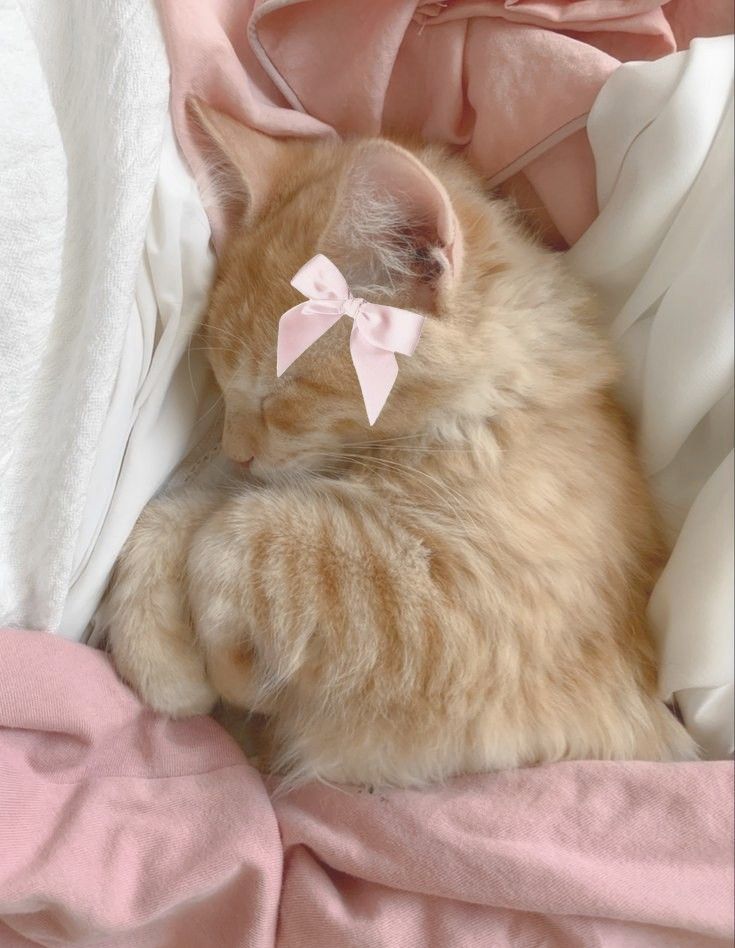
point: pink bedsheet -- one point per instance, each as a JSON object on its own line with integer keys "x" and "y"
{"x": 510, "y": 81}
{"x": 121, "y": 828}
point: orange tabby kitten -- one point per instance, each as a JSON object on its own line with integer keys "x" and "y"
{"x": 461, "y": 587}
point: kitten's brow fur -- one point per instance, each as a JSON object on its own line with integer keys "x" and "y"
{"x": 461, "y": 587}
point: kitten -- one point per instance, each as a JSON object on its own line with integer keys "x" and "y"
{"x": 461, "y": 587}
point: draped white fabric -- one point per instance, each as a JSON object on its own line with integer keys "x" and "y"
{"x": 105, "y": 266}
{"x": 661, "y": 256}
{"x": 162, "y": 386}
{"x": 83, "y": 98}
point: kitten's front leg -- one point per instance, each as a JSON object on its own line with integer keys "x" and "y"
{"x": 289, "y": 583}
{"x": 146, "y": 612}
{"x": 229, "y": 601}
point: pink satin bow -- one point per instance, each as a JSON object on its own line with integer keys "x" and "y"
{"x": 377, "y": 333}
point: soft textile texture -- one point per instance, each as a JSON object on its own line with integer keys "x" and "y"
{"x": 82, "y": 111}
{"x": 377, "y": 334}
{"x": 163, "y": 384}
{"x": 122, "y": 828}
{"x": 661, "y": 255}
{"x": 512, "y": 82}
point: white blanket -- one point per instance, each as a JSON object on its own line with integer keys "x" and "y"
{"x": 661, "y": 255}
{"x": 163, "y": 384}
{"x": 83, "y": 100}
{"x": 105, "y": 265}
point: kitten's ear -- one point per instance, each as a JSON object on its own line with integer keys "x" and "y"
{"x": 397, "y": 220}
{"x": 242, "y": 162}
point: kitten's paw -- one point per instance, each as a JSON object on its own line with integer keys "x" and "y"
{"x": 219, "y": 586}
{"x": 181, "y": 697}
{"x": 164, "y": 669}
{"x": 146, "y": 613}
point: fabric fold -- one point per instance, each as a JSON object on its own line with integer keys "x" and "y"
{"x": 79, "y": 150}
{"x": 119, "y": 827}
{"x": 660, "y": 255}
{"x": 511, "y": 83}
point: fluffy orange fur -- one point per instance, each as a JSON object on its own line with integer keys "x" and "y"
{"x": 461, "y": 587}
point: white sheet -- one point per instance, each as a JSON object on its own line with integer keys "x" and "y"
{"x": 661, "y": 255}
{"x": 162, "y": 385}
{"x": 82, "y": 111}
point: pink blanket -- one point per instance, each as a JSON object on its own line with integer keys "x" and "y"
{"x": 122, "y": 828}
{"x": 510, "y": 82}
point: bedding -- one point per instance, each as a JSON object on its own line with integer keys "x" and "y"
{"x": 121, "y": 828}
{"x": 82, "y": 114}
{"x": 105, "y": 266}
{"x": 162, "y": 396}
{"x": 118, "y": 827}
{"x": 660, "y": 254}
{"x": 509, "y": 81}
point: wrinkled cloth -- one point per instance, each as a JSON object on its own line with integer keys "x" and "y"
{"x": 82, "y": 114}
{"x": 119, "y": 827}
{"x": 509, "y": 82}
{"x": 661, "y": 256}
{"x": 163, "y": 394}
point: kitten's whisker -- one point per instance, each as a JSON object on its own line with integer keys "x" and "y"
{"x": 406, "y": 437}
{"x": 395, "y": 465}
{"x": 238, "y": 338}
{"x": 214, "y": 405}
{"x": 414, "y": 448}
{"x": 188, "y": 367}
{"x": 213, "y": 349}
{"x": 426, "y": 476}
{"x": 460, "y": 498}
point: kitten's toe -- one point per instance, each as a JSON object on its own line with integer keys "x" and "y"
{"x": 231, "y": 672}
{"x": 167, "y": 674}
{"x": 183, "y": 699}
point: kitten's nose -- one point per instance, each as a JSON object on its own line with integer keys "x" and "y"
{"x": 246, "y": 464}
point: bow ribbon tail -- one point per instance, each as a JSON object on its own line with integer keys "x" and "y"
{"x": 377, "y": 370}
{"x": 299, "y": 328}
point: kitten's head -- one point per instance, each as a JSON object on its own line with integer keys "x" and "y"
{"x": 411, "y": 229}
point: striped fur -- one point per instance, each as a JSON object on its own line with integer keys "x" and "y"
{"x": 460, "y": 588}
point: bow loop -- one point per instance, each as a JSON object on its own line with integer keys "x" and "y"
{"x": 378, "y": 331}
{"x": 388, "y": 327}
{"x": 319, "y": 279}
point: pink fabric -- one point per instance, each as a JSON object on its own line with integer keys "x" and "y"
{"x": 510, "y": 82}
{"x": 378, "y": 331}
{"x": 121, "y": 828}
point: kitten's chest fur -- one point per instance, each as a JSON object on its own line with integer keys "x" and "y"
{"x": 531, "y": 487}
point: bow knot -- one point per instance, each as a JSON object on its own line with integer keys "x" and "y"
{"x": 352, "y": 305}
{"x": 378, "y": 331}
